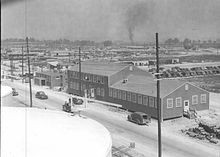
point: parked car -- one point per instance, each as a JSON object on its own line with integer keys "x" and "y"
{"x": 139, "y": 118}
{"x": 14, "y": 92}
{"x": 77, "y": 101}
{"x": 41, "y": 95}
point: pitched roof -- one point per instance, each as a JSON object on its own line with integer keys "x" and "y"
{"x": 147, "y": 85}
{"x": 99, "y": 68}
{"x": 54, "y": 63}
{"x": 51, "y": 73}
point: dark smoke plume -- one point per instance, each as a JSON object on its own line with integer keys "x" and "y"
{"x": 135, "y": 16}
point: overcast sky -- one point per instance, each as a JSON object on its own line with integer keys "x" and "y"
{"x": 111, "y": 19}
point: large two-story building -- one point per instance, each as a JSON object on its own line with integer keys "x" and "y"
{"x": 135, "y": 89}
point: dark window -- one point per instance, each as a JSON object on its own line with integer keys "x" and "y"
{"x": 99, "y": 79}
{"x": 151, "y": 101}
{"x": 139, "y": 99}
{"x": 119, "y": 94}
{"x": 90, "y": 78}
{"x": 133, "y": 98}
{"x": 115, "y": 93}
{"x": 123, "y": 95}
{"x": 76, "y": 75}
{"x": 102, "y": 80}
{"x": 128, "y": 96}
{"x": 77, "y": 85}
{"x": 98, "y": 92}
{"x": 203, "y": 98}
{"x": 94, "y": 78}
{"x": 110, "y": 92}
{"x": 155, "y": 102}
{"x": 169, "y": 102}
{"x": 102, "y": 92}
{"x": 145, "y": 100}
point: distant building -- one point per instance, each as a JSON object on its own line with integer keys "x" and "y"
{"x": 53, "y": 65}
{"x": 135, "y": 89}
{"x": 137, "y": 63}
{"x": 50, "y": 78}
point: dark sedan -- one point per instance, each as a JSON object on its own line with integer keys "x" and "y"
{"x": 14, "y": 92}
{"x": 139, "y": 118}
{"x": 41, "y": 95}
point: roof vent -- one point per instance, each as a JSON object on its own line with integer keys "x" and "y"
{"x": 86, "y": 78}
{"x": 125, "y": 80}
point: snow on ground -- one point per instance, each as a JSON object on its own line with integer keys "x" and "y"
{"x": 170, "y": 129}
{"x": 5, "y": 90}
{"x": 211, "y": 116}
{"x": 44, "y": 133}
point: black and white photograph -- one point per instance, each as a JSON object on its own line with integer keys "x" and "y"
{"x": 110, "y": 78}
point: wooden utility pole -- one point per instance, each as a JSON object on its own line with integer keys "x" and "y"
{"x": 29, "y": 72}
{"x": 69, "y": 57}
{"x": 11, "y": 65}
{"x": 158, "y": 99}
{"x": 22, "y": 65}
{"x": 80, "y": 88}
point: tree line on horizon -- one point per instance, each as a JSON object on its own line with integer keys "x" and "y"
{"x": 186, "y": 43}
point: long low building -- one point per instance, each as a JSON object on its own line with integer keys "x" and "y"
{"x": 135, "y": 89}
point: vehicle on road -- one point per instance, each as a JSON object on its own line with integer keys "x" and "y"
{"x": 139, "y": 118}
{"x": 67, "y": 107}
{"x": 77, "y": 101}
{"x": 41, "y": 95}
{"x": 14, "y": 92}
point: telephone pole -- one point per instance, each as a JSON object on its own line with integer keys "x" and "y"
{"x": 11, "y": 66}
{"x": 69, "y": 57}
{"x": 80, "y": 88}
{"x": 22, "y": 65}
{"x": 158, "y": 99}
{"x": 29, "y": 72}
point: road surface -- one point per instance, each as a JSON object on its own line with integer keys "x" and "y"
{"x": 122, "y": 131}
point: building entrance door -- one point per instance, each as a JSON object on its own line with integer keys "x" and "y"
{"x": 92, "y": 94}
{"x": 186, "y": 105}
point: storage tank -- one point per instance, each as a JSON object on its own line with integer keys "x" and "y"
{"x": 36, "y": 132}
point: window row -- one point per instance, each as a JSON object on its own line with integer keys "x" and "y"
{"x": 75, "y": 85}
{"x": 100, "y": 92}
{"x": 87, "y": 77}
{"x": 73, "y": 74}
{"x": 195, "y": 99}
{"x": 179, "y": 101}
{"x": 133, "y": 97}
{"x": 43, "y": 76}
